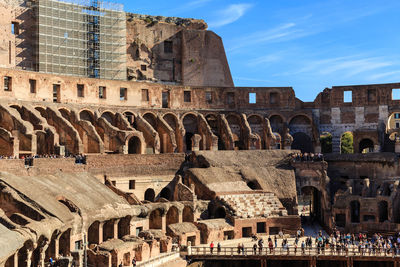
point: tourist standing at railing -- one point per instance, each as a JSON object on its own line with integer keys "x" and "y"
{"x": 254, "y": 249}
{"x": 218, "y": 247}
{"x": 303, "y": 247}
{"x": 270, "y": 245}
{"x": 211, "y": 247}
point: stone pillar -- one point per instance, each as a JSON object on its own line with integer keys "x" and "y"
{"x": 29, "y": 253}
{"x": 164, "y": 223}
{"x": 57, "y": 246}
{"x": 34, "y": 144}
{"x": 15, "y": 135}
{"x": 115, "y": 234}
{"x": 101, "y": 224}
{"x": 180, "y": 217}
{"x": 43, "y": 254}
{"x": 16, "y": 259}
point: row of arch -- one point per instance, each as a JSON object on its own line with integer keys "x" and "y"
{"x": 346, "y": 144}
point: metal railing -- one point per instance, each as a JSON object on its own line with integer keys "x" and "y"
{"x": 295, "y": 252}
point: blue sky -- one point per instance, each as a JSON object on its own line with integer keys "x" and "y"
{"x": 306, "y": 44}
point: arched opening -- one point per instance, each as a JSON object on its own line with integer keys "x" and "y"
{"x": 155, "y": 219}
{"x": 301, "y": 130}
{"x": 134, "y": 145}
{"x": 166, "y": 193}
{"x": 6, "y": 143}
{"x": 187, "y": 214}
{"x": 220, "y": 213}
{"x": 276, "y": 123}
{"x": 355, "y": 211}
{"x": 383, "y": 211}
{"x": 172, "y": 215}
{"x": 326, "y": 142}
{"x": 212, "y": 121}
{"x": 65, "y": 243}
{"x": 151, "y": 119}
{"x": 108, "y": 116}
{"x": 149, "y": 195}
{"x": 254, "y": 185}
{"x": 130, "y": 118}
{"x": 366, "y": 146}
{"x": 51, "y": 250}
{"x": 93, "y": 233}
{"x": 108, "y": 230}
{"x": 124, "y": 226}
{"x": 256, "y": 125}
{"x": 190, "y": 125}
{"x": 86, "y": 116}
{"x": 236, "y": 129}
{"x": 302, "y": 142}
{"x": 346, "y": 143}
{"x": 310, "y": 205}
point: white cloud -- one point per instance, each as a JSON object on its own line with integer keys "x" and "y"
{"x": 383, "y": 75}
{"x": 229, "y": 15}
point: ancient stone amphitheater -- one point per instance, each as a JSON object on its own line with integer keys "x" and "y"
{"x": 118, "y": 142}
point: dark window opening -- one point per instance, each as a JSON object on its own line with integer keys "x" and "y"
{"x": 208, "y": 97}
{"x": 273, "y": 98}
{"x": 131, "y": 184}
{"x": 7, "y": 83}
{"x": 56, "y": 93}
{"x": 102, "y": 92}
{"x": 143, "y": 67}
{"x": 165, "y": 99}
{"x": 168, "y": 45}
{"x": 32, "y": 86}
{"x": 230, "y": 98}
{"x": 371, "y": 95}
{"x": 145, "y": 95}
{"x": 80, "y": 90}
{"x": 369, "y": 218}
{"x": 123, "y": 94}
{"x": 187, "y": 96}
{"x": 261, "y": 227}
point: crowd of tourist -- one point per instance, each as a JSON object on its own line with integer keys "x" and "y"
{"x": 337, "y": 243}
{"x": 307, "y": 157}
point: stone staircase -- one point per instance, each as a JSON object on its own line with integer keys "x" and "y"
{"x": 254, "y": 205}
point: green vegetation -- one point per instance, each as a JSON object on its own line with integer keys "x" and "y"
{"x": 346, "y": 143}
{"x": 326, "y": 142}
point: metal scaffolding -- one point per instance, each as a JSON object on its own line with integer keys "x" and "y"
{"x": 84, "y": 38}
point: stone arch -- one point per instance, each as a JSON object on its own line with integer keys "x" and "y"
{"x": 149, "y": 195}
{"x": 302, "y": 142}
{"x": 10, "y": 261}
{"x": 355, "y": 211}
{"x": 66, "y": 113}
{"x": 6, "y": 143}
{"x": 124, "y": 226}
{"x": 254, "y": 185}
{"x": 300, "y": 128}
{"x": 51, "y": 250}
{"x": 383, "y": 211}
{"x": 155, "y": 219}
{"x": 65, "y": 242}
{"x": 366, "y": 145}
{"x": 257, "y": 126}
{"x": 277, "y": 143}
{"x": 166, "y": 193}
{"x": 172, "y": 215}
{"x": 108, "y": 230}
{"x": 172, "y": 120}
{"x": 277, "y": 122}
{"x": 109, "y": 116}
{"x": 86, "y": 115}
{"x": 187, "y": 214}
{"x": 151, "y": 118}
{"x": 93, "y": 233}
{"x": 134, "y": 145}
{"x": 235, "y": 123}
{"x": 130, "y": 116}
{"x": 212, "y": 121}
{"x": 190, "y": 124}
